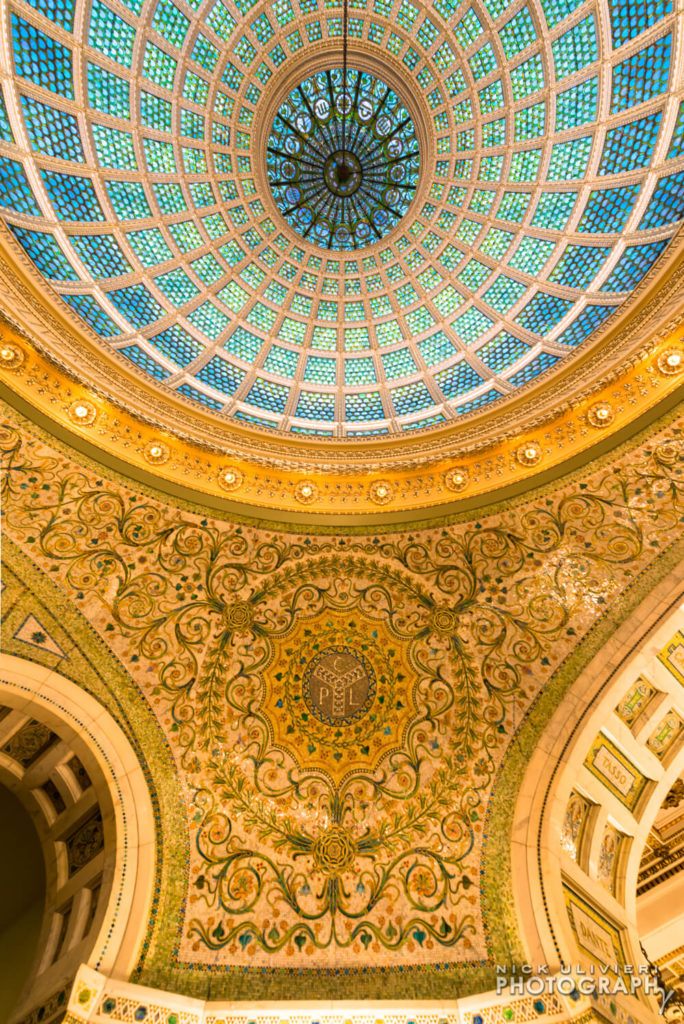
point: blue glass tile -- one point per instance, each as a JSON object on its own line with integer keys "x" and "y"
{"x": 530, "y": 122}
{"x": 170, "y": 22}
{"x": 15, "y": 191}
{"x": 46, "y": 253}
{"x": 204, "y": 53}
{"x": 318, "y": 369}
{"x": 169, "y": 196}
{"x": 533, "y": 369}
{"x": 316, "y": 405}
{"x": 513, "y": 206}
{"x": 527, "y": 78}
{"x": 429, "y": 421}
{"x": 677, "y": 142}
{"x": 159, "y": 66}
{"x": 518, "y": 33}
{"x": 108, "y": 93}
{"x": 257, "y": 421}
{"x": 642, "y": 76}
{"x": 666, "y": 205}
{"x": 579, "y": 265}
{"x": 458, "y": 379}
{"x": 359, "y": 371}
{"x": 5, "y": 127}
{"x": 93, "y": 314}
{"x": 398, "y": 364}
{"x": 554, "y": 210}
{"x": 144, "y": 361}
{"x": 155, "y": 112}
{"x": 137, "y": 304}
{"x": 578, "y": 105}
{"x": 159, "y": 156}
{"x": 52, "y": 132}
{"x": 209, "y": 320}
{"x": 150, "y": 246}
{"x": 101, "y": 255}
{"x": 283, "y": 361}
{"x": 208, "y": 269}
{"x": 220, "y": 20}
{"x": 585, "y": 324}
{"x": 569, "y": 160}
{"x": 635, "y": 263}
{"x": 110, "y": 34}
{"x": 221, "y": 375}
{"x": 629, "y": 18}
{"x": 503, "y": 294}
{"x": 114, "y": 149}
{"x": 556, "y": 11}
{"x": 364, "y": 406}
{"x": 59, "y": 11}
{"x": 471, "y": 325}
{"x": 199, "y": 396}
{"x": 575, "y": 49}
{"x": 630, "y": 146}
{"x": 72, "y": 196}
{"x": 411, "y": 398}
{"x": 177, "y": 345}
{"x": 177, "y": 287}
{"x": 502, "y": 351}
{"x": 542, "y": 313}
{"x": 608, "y": 209}
{"x": 128, "y": 199}
{"x": 244, "y": 345}
{"x": 477, "y": 403}
{"x": 41, "y": 59}
{"x": 532, "y": 254}
{"x": 267, "y": 395}
{"x": 436, "y": 348}
{"x": 201, "y": 194}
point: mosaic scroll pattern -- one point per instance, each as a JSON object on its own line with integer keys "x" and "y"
{"x": 338, "y": 705}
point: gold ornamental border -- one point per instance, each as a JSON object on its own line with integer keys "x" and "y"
{"x": 91, "y": 422}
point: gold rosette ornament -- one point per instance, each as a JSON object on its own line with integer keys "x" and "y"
{"x": 334, "y": 851}
{"x": 238, "y": 617}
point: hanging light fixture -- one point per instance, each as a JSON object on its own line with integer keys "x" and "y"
{"x": 343, "y": 156}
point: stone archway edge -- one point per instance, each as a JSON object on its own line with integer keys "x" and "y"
{"x": 29, "y": 687}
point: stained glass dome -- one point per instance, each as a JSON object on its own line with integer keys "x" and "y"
{"x": 134, "y": 175}
{"x": 343, "y": 159}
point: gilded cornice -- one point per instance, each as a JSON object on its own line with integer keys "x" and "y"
{"x": 595, "y": 400}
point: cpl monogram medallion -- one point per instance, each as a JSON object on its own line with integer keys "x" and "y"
{"x": 339, "y": 685}
{"x": 342, "y": 736}
{"x": 344, "y": 695}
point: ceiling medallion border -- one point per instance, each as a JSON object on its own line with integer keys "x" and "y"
{"x": 67, "y": 353}
{"x": 73, "y": 409}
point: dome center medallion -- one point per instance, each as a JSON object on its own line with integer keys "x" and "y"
{"x": 343, "y": 173}
{"x": 343, "y": 159}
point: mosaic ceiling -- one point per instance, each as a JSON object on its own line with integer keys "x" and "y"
{"x": 133, "y": 172}
{"x": 329, "y": 718}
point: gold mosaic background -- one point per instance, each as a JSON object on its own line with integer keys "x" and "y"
{"x": 339, "y": 705}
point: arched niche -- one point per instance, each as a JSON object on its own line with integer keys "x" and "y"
{"x": 22, "y": 896}
{"x": 593, "y": 787}
{"x": 74, "y": 771}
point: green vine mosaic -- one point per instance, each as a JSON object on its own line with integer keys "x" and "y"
{"x": 472, "y": 619}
